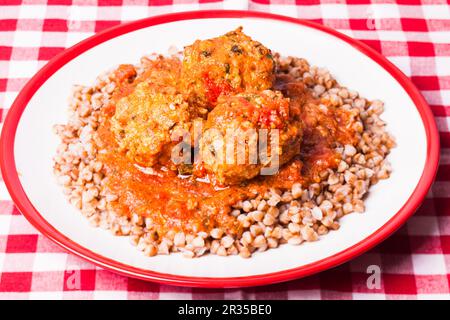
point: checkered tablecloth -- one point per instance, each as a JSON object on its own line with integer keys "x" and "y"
{"x": 413, "y": 34}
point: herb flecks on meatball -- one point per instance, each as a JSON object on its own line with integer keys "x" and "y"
{"x": 228, "y": 64}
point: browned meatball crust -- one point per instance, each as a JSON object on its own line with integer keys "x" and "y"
{"x": 227, "y": 64}
{"x": 248, "y": 117}
{"x": 146, "y": 120}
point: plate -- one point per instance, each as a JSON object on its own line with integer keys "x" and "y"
{"x": 28, "y": 144}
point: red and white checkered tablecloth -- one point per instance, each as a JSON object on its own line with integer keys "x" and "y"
{"x": 413, "y": 34}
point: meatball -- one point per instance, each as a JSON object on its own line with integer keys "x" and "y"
{"x": 145, "y": 121}
{"x": 240, "y": 129}
{"x": 229, "y": 64}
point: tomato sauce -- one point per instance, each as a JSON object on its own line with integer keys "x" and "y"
{"x": 171, "y": 201}
{"x": 214, "y": 89}
{"x": 188, "y": 204}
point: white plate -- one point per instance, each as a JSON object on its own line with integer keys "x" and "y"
{"x": 44, "y": 103}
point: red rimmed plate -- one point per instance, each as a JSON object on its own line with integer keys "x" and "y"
{"x": 27, "y": 146}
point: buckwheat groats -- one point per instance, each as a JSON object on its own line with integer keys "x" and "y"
{"x": 116, "y": 159}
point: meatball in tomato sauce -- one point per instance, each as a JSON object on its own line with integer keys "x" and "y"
{"x": 247, "y": 132}
{"x": 228, "y": 64}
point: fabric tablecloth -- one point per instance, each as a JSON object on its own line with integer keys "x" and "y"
{"x": 414, "y": 262}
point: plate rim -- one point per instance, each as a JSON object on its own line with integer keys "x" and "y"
{"x": 18, "y": 195}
